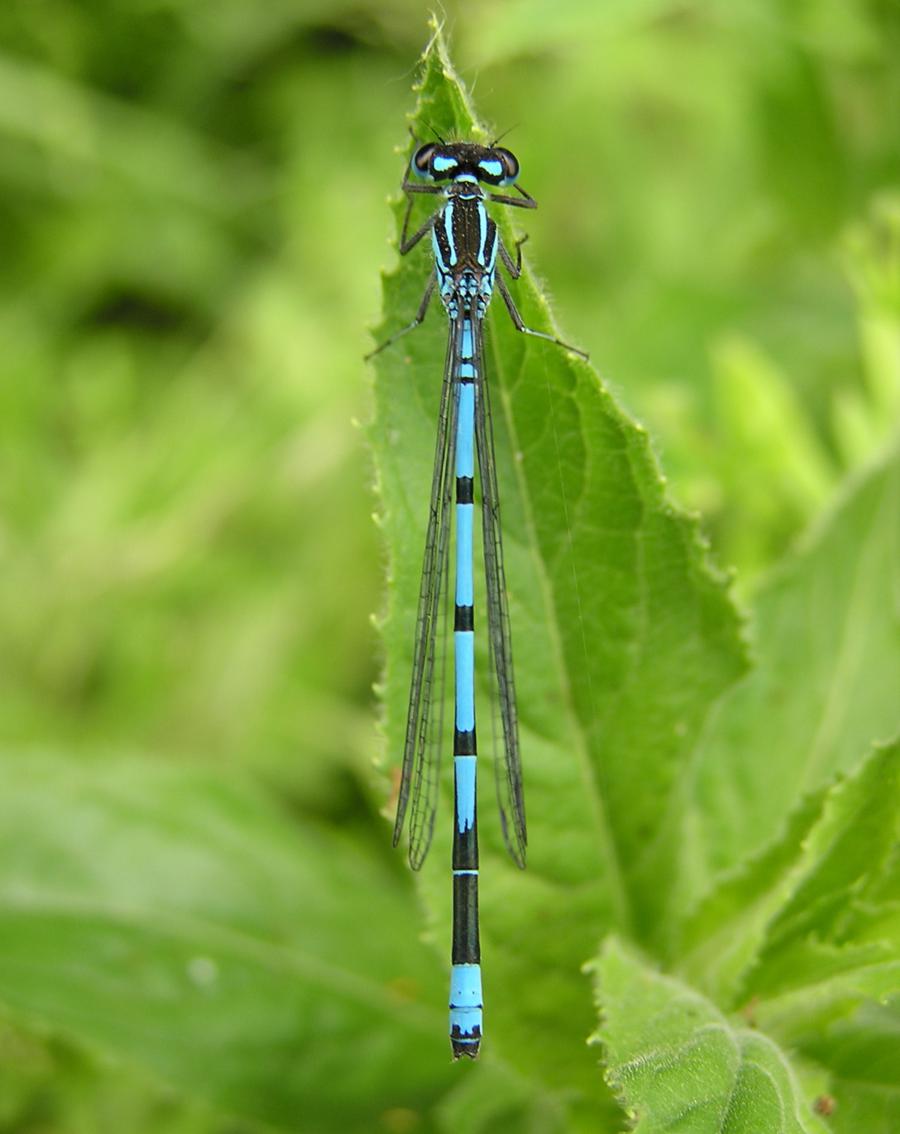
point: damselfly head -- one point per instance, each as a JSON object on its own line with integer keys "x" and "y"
{"x": 465, "y": 161}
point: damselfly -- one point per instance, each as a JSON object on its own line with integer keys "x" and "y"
{"x": 466, "y": 247}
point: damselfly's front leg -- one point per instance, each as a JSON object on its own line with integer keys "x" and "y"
{"x": 524, "y": 201}
{"x": 407, "y": 243}
{"x": 409, "y": 187}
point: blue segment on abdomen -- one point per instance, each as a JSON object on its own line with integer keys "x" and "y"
{"x": 464, "y": 518}
{"x": 465, "y": 430}
{"x": 466, "y": 1001}
{"x": 464, "y": 646}
{"x": 464, "y": 776}
{"x": 467, "y": 343}
{"x": 465, "y": 467}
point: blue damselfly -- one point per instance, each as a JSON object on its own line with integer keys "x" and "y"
{"x": 466, "y": 246}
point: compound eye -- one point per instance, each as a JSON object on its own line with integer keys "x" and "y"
{"x": 443, "y": 164}
{"x": 510, "y": 164}
{"x": 421, "y": 161}
{"x": 491, "y": 170}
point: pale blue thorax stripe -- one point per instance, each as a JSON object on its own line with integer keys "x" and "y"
{"x": 448, "y": 229}
{"x": 482, "y": 227}
{"x": 492, "y": 259}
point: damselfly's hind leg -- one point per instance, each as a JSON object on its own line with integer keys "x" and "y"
{"x": 513, "y": 267}
{"x": 519, "y": 322}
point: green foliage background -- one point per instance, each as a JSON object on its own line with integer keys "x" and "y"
{"x": 199, "y": 910}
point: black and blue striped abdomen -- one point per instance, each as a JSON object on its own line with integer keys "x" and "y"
{"x": 465, "y": 982}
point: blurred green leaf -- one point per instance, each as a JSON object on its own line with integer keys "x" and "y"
{"x": 863, "y": 1052}
{"x": 864, "y": 418}
{"x": 179, "y": 921}
{"x": 828, "y": 645}
{"x": 154, "y": 153}
{"x": 48, "y": 1083}
{"x": 521, "y": 26}
{"x": 773, "y": 466}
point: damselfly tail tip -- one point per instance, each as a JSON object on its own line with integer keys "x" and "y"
{"x": 465, "y": 1049}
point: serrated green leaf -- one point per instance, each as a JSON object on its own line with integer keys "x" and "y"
{"x": 678, "y": 1064}
{"x": 805, "y": 937}
{"x": 826, "y": 983}
{"x": 788, "y": 919}
{"x": 723, "y": 936}
{"x": 847, "y": 852}
{"x": 825, "y": 688}
{"x": 623, "y": 637}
